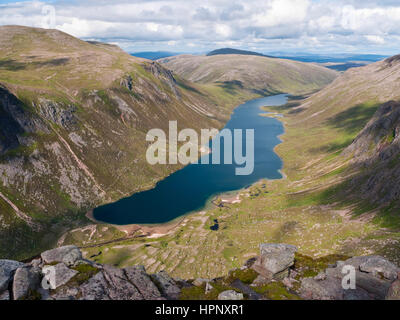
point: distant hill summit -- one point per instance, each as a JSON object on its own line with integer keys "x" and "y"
{"x": 236, "y": 51}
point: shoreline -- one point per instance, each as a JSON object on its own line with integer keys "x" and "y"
{"x": 230, "y": 197}
{"x": 150, "y": 231}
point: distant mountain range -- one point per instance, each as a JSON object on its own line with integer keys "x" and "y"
{"x": 325, "y": 58}
{"x": 154, "y": 55}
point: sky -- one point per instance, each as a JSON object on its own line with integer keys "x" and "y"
{"x": 314, "y": 26}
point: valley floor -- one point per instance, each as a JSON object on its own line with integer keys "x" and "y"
{"x": 307, "y": 209}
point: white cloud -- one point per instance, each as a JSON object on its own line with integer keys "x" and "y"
{"x": 364, "y": 25}
{"x": 375, "y": 39}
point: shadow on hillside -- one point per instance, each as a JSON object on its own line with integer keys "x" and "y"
{"x": 362, "y": 185}
{"x": 353, "y": 120}
{"x": 12, "y": 65}
{"x": 187, "y": 87}
{"x": 230, "y": 87}
{"x": 52, "y": 62}
{"x": 350, "y": 122}
{"x": 280, "y": 235}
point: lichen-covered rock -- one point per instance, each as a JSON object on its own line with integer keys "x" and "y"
{"x": 167, "y": 286}
{"x": 328, "y": 289}
{"x": 230, "y": 295}
{"x": 5, "y": 296}
{"x": 69, "y": 255}
{"x": 379, "y": 266}
{"x": 119, "y": 286}
{"x": 26, "y": 282}
{"x": 275, "y": 259}
{"x": 95, "y": 288}
{"x": 7, "y": 268}
{"x": 142, "y": 281}
{"x": 373, "y": 278}
{"x": 394, "y": 291}
{"x": 58, "y": 275}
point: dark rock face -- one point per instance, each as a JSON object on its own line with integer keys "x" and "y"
{"x": 164, "y": 75}
{"x": 15, "y": 121}
{"x": 377, "y": 151}
{"x": 127, "y": 82}
{"x": 63, "y": 115}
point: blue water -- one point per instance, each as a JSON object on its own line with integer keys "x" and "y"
{"x": 190, "y": 189}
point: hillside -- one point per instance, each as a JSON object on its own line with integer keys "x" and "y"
{"x": 251, "y": 73}
{"x": 362, "y": 108}
{"x": 340, "y": 196}
{"x": 74, "y": 116}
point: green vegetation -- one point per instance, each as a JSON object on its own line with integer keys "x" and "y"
{"x": 276, "y": 291}
{"x": 312, "y": 208}
{"x": 250, "y": 73}
{"x": 86, "y": 271}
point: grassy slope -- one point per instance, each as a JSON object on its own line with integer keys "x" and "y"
{"x": 308, "y": 208}
{"x": 251, "y": 73}
{"x": 52, "y": 73}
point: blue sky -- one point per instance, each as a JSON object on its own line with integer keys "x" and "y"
{"x": 318, "y": 26}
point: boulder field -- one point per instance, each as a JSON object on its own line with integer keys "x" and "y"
{"x": 279, "y": 272}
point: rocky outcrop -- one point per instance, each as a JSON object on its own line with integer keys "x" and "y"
{"x": 373, "y": 277}
{"x": 394, "y": 291}
{"x": 7, "y": 269}
{"x": 275, "y": 260}
{"x": 68, "y": 255}
{"x": 59, "y": 113}
{"x": 376, "y": 150}
{"x": 26, "y": 281}
{"x": 62, "y": 274}
{"x": 164, "y": 75}
{"x": 15, "y": 121}
{"x": 230, "y": 295}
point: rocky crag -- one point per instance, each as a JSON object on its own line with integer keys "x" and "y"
{"x": 280, "y": 272}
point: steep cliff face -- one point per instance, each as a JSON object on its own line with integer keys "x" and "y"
{"x": 377, "y": 151}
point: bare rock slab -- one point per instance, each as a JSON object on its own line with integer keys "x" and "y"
{"x": 167, "y": 286}
{"x": 26, "y": 282}
{"x": 142, "y": 281}
{"x": 69, "y": 255}
{"x": 58, "y": 275}
{"x": 230, "y": 295}
{"x": 7, "y": 269}
{"x": 275, "y": 259}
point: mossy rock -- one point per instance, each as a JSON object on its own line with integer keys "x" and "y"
{"x": 198, "y": 293}
{"x": 32, "y": 295}
{"x": 86, "y": 271}
{"x": 276, "y": 291}
{"x": 308, "y": 267}
{"x": 246, "y": 276}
